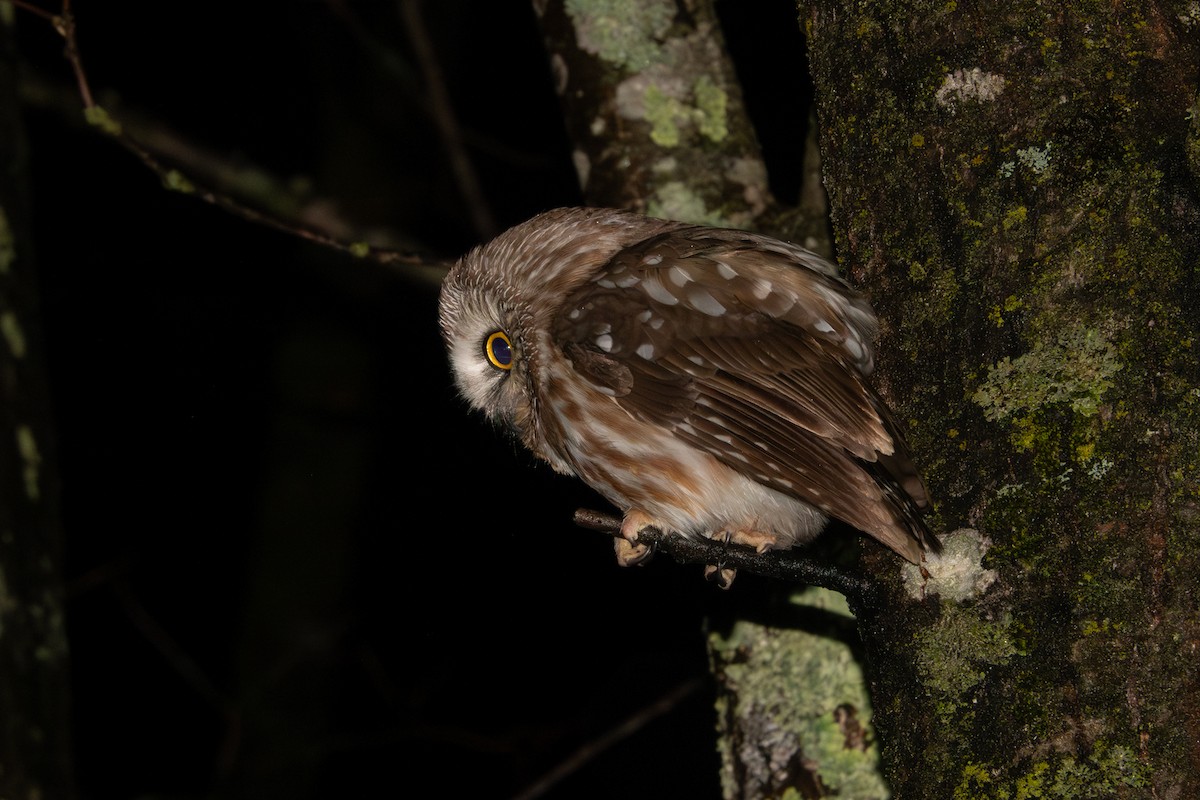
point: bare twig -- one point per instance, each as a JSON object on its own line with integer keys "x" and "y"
{"x": 188, "y": 670}
{"x": 172, "y": 178}
{"x": 594, "y": 748}
{"x": 446, "y": 121}
{"x": 32, "y": 9}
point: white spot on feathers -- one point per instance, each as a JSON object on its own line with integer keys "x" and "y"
{"x": 705, "y": 302}
{"x": 659, "y": 292}
{"x": 853, "y": 348}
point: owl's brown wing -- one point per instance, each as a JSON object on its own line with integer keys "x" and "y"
{"x": 757, "y": 359}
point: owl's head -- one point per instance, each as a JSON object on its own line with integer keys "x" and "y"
{"x": 498, "y": 303}
{"x": 484, "y": 325}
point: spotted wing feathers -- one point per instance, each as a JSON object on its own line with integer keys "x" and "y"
{"x": 753, "y": 351}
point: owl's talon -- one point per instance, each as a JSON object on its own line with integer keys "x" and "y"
{"x": 761, "y": 541}
{"x": 630, "y": 554}
{"x": 629, "y": 551}
{"x": 721, "y": 576}
{"x": 633, "y": 523}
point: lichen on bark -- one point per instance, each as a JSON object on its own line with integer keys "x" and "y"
{"x": 1017, "y": 187}
{"x": 654, "y": 110}
{"x": 793, "y": 710}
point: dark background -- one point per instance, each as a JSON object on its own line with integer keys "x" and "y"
{"x": 296, "y": 566}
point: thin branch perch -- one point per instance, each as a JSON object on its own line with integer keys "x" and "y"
{"x": 785, "y": 565}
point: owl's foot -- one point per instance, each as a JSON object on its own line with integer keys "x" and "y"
{"x": 631, "y": 554}
{"x": 721, "y": 576}
{"x": 761, "y": 541}
{"x": 629, "y": 551}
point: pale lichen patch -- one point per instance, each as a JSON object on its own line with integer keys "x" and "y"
{"x": 99, "y": 117}
{"x": 962, "y": 85}
{"x": 1037, "y": 159}
{"x": 7, "y": 603}
{"x": 623, "y": 32}
{"x": 674, "y": 200}
{"x": 957, "y": 573}
{"x": 955, "y": 654}
{"x": 583, "y": 166}
{"x": 712, "y": 107}
{"x": 14, "y": 336}
{"x": 679, "y": 95}
{"x": 28, "y": 449}
{"x": 751, "y": 174}
{"x": 672, "y": 108}
{"x": 8, "y": 251}
{"x": 1077, "y": 368}
{"x": 801, "y": 685}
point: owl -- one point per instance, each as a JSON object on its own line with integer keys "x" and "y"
{"x": 708, "y": 382}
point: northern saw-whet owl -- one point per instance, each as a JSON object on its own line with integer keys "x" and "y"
{"x": 706, "y": 381}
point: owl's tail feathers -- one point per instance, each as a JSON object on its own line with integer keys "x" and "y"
{"x": 910, "y": 538}
{"x": 907, "y": 497}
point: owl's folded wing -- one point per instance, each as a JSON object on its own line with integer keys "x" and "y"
{"x": 786, "y": 404}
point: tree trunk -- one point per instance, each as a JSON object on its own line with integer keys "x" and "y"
{"x": 34, "y": 716}
{"x": 1017, "y": 186}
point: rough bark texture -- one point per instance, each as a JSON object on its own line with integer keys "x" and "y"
{"x": 654, "y": 109}
{"x": 793, "y": 709}
{"x": 1017, "y": 185}
{"x": 34, "y": 721}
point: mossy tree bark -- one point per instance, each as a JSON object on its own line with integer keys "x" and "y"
{"x": 654, "y": 110}
{"x": 34, "y": 715}
{"x": 1019, "y": 187}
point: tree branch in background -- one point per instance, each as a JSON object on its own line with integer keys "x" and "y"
{"x": 35, "y": 685}
{"x": 588, "y": 752}
{"x": 446, "y": 121}
{"x": 205, "y": 170}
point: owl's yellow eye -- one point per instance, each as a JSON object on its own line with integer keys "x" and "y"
{"x": 498, "y": 350}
